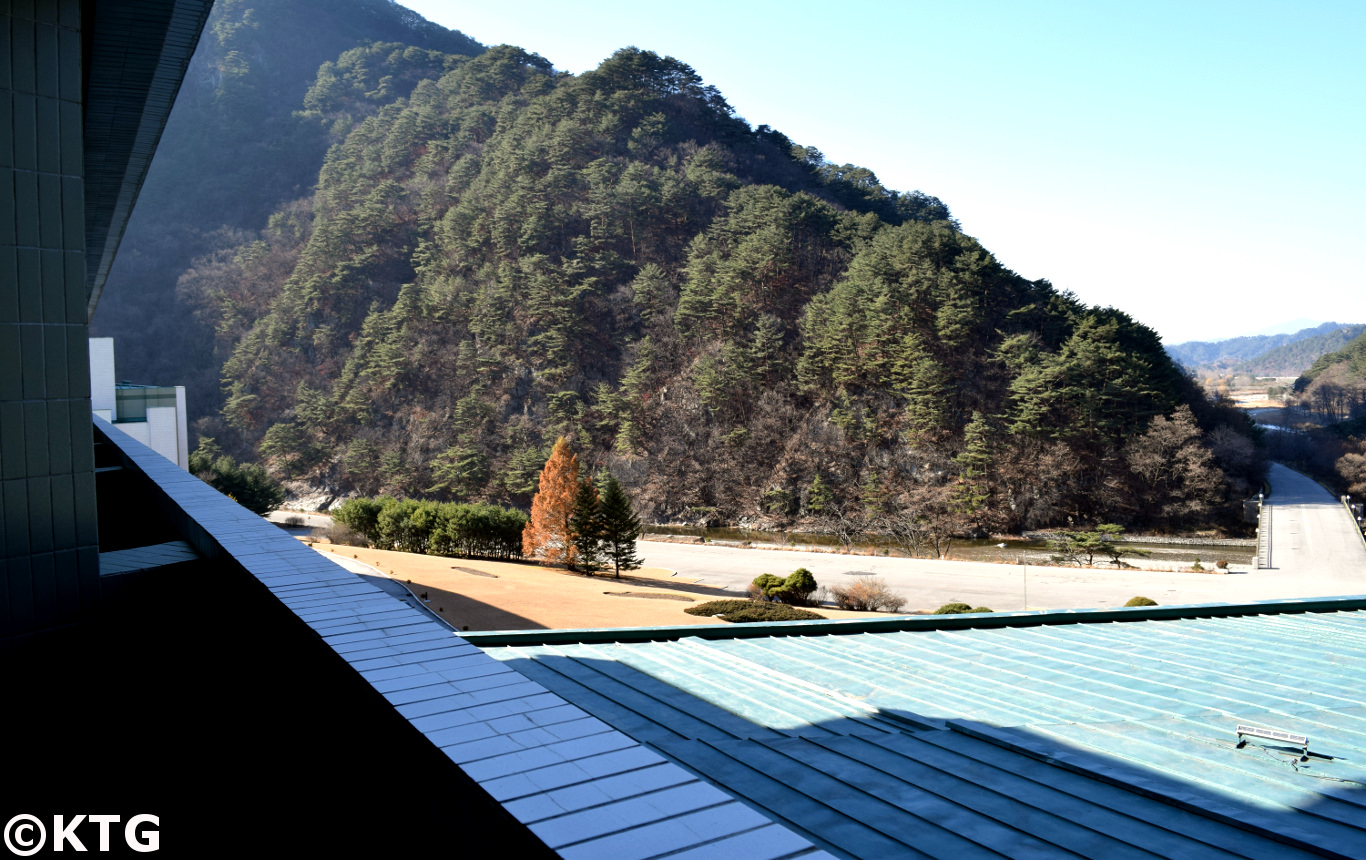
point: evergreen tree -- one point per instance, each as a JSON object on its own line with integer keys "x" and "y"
{"x": 973, "y": 491}
{"x": 620, "y": 528}
{"x": 246, "y": 483}
{"x": 818, "y": 496}
{"x": 586, "y": 526}
{"x": 548, "y": 536}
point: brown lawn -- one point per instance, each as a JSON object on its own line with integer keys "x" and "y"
{"x": 494, "y": 595}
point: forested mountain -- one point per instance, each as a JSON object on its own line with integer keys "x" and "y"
{"x": 1294, "y": 358}
{"x": 1335, "y": 386}
{"x": 1244, "y": 354}
{"x": 494, "y": 254}
{"x": 235, "y": 150}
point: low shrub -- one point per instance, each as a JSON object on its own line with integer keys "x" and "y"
{"x": 742, "y": 611}
{"x": 771, "y": 612}
{"x": 340, "y": 534}
{"x": 869, "y": 594}
{"x": 953, "y": 609}
{"x": 717, "y": 607}
{"x": 1141, "y": 601}
{"x": 1197, "y": 565}
{"x": 961, "y": 609}
{"x": 1221, "y": 564}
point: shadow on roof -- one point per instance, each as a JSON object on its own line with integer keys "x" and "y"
{"x": 862, "y": 781}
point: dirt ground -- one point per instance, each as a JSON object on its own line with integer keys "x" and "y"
{"x": 493, "y": 595}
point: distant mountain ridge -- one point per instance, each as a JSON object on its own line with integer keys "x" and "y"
{"x": 1247, "y": 354}
{"x": 1288, "y": 326}
{"x": 1292, "y": 358}
{"x": 1349, "y": 361}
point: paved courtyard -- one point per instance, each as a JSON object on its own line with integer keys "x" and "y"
{"x": 1316, "y": 553}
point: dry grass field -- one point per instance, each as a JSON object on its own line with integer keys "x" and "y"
{"x": 493, "y": 595}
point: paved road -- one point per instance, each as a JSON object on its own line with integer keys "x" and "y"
{"x": 1312, "y": 536}
{"x": 305, "y": 519}
{"x": 1314, "y": 551}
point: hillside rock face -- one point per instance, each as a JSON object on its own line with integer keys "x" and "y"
{"x": 493, "y": 255}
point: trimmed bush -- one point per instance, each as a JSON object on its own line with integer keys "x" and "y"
{"x": 742, "y": 611}
{"x": 765, "y": 584}
{"x": 1221, "y": 564}
{"x": 798, "y": 587}
{"x": 795, "y": 590}
{"x": 1141, "y": 601}
{"x": 475, "y": 530}
{"x": 953, "y": 609}
{"x": 981, "y": 609}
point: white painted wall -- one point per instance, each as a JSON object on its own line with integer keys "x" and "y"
{"x": 102, "y": 376}
{"x": 165, "y": 430}
{"x": 139, "y": 430}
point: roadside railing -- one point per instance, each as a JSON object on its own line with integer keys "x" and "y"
{"x": 1347, "y": 503}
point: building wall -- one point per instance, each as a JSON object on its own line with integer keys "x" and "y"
{"x": 102, "y": 376}
{"x": 49, "y": 563}
{"x": 152, "y": 414}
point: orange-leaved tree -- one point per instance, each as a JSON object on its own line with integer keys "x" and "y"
{"x": 548, "y": 535}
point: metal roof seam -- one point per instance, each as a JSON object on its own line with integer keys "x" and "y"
{"x": 1185, "y": 688}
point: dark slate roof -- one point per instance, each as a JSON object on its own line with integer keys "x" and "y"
{"x": 134, "y": 58}
{"x": 582, "y": 786}
{"x": 1093, "y": 739}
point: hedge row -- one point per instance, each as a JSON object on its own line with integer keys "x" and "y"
{"x": 435, "y": 528}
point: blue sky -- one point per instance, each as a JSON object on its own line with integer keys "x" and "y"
{"x": 1198, "y": 164}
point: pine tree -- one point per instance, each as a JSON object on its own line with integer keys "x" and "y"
{"x": 585, "y": 524}
{"x": 620, "y": 528}
{"x": 973, "y": 491}
{"x": 548, "y": 535}
{"x": 818, "y": 496}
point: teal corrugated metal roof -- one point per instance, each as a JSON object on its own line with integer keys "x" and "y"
{"x": 1101, "y": 739}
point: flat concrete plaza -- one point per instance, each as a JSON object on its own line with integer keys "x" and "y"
{"x": 1315, "y": 553}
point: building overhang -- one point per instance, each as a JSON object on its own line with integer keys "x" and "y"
{"x": 134, "y": 57}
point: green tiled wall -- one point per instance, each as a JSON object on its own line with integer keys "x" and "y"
{"x": 49, "y": 563}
